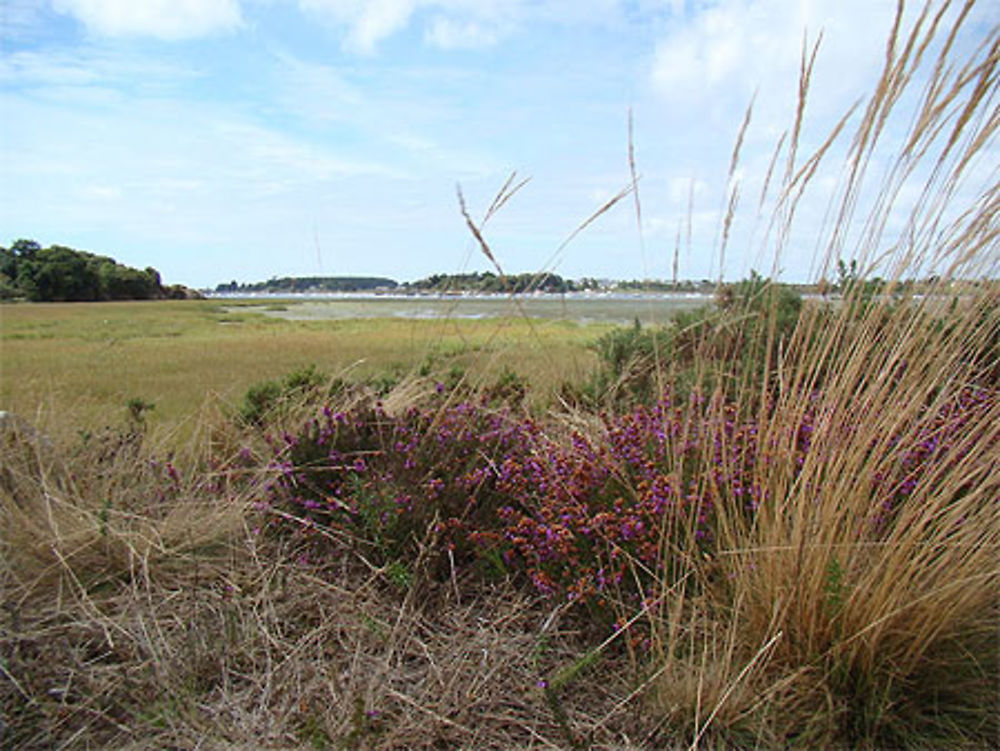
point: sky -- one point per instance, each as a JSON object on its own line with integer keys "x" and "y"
{"x": 220, "y": 140}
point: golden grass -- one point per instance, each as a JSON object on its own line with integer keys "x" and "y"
{"x": 868, "y": 631}
{"x": 88, "y": 360}
{"x": 808, "y": 629}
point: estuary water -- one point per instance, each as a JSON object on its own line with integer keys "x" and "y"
{"x": 581, "y": 308}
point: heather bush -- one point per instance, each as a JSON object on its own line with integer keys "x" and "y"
{"x": 615, "y": 514}
{"x": 389, "y": 479}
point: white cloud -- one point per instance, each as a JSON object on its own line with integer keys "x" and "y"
{"x": 380, "y": 19}
{"x": 394, "y": 112}
{"x": 88, "y": 68}
{"x": 369, "y": 21}
{"x": 102, "y": 192}
{"x": 729, "y": 50}
{"x": 166, "y": 19}
{"x": 275, "y": 161}
{"x": 449, "y": 33}
{"x": 456, "y": 24}
{"x": 32, "y": 68}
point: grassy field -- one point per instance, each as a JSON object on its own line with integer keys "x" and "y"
{"x": 88, "y": 360}
{"x": 774, "y": 524}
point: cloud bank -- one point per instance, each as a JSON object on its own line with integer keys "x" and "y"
{"x": 164, "y": 19}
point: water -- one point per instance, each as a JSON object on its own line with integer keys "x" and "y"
{"x": 581, "y": 308}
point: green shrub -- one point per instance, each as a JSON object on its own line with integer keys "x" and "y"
{"x": 735, "y": 341}
{"x": 263, "y": 397}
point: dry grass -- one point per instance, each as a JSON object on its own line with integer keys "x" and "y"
{"x": 823, "y": 633}
{"x": 882, "y": 638}
{"x": 137, "y": 622}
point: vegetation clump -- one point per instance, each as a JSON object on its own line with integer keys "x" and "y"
{"x": 750, "y": 323}
{"x": 61, "y": 274}
{"x": 266, "y": 396}
{"x": 488, "y": 282}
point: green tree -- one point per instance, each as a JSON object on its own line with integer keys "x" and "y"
{"x": 60, "y": 273}
{"x": 8, "y": 263}
{"x": 25, "y": 249}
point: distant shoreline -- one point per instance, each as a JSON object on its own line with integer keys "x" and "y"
{"x": 422, "y": 295}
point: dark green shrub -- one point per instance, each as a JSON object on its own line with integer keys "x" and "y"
{"x": 630, "y": 361}
{"x": 508, "y": 389}
{"x": 263, "y": 397}
{"x": 733, "y": 342}
{"x": 258, "y": 401}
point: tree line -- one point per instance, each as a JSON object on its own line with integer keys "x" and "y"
{"x": 312, "y": 284}
{"x": 62, "y": 274}
{"x": 488, "y": 282}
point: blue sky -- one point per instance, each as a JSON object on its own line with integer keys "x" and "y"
{"x": 245, "y": 139}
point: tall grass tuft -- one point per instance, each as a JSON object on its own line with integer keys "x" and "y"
{"x": 857, "y": 604}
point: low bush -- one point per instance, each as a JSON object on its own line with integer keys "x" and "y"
{"x": 387, "y": 479}
{"x": 261, "y": 398}
{"x": 734, "y": 343}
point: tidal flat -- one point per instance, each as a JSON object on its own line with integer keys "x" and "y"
{"x": 584, "y": 309}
